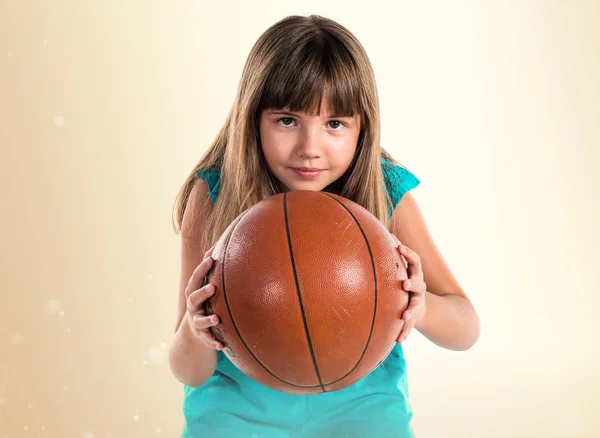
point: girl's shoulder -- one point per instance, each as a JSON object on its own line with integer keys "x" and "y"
{"x": 213, "y": 180}
{"x": 398, "y": 180}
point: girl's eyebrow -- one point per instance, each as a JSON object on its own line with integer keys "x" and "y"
{"x": 288, "y": 113}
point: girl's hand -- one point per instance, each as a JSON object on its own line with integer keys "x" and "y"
{"x": 416, "y": 287}
{"x": 197, "y": 292}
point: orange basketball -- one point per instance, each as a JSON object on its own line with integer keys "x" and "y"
{"x": 308, "y": 289}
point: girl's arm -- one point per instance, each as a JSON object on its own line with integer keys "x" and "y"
{"x": 450, "y": 320}
{"x": 190, "y": 361}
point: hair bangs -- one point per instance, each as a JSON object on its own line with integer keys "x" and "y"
{"x": 321, "y": 70}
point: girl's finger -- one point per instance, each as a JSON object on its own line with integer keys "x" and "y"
{"x": 415, "y": 302}
{"x": 204, "y": 322}
{"x": 196, "y": 280}
{"x": 209, "y": 252}
{"x": 408, "y": 326}
{"x": 415, "y": 285}
{"x": 413, "y": 260}
{"x": 403, "y": 268}
{"x": 210, "y": 342}
{"x": 196, "y": 298}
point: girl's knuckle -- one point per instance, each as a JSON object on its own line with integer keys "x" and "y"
{"x": 190, "y": 304}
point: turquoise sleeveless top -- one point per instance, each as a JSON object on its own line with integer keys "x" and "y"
{"x": 231, "y": 405}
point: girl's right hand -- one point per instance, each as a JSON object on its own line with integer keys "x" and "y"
{"x": 197, "y": 293}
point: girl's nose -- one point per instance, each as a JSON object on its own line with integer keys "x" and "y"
{"x": 309, "y": 145}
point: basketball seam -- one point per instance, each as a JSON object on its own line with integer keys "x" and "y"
{"x": 233, "y": 321}
{"x": 374, "y": 286}
{"x": 310, "y": 346}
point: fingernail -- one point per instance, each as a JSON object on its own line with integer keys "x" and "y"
{"x": 402, "y": 248}
{"x": 213, "y": 318}
{"x": 408, "y": 284}
{"x": 408, "y": 315}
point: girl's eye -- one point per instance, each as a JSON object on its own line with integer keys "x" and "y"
{"x": 336, "y": 124}
{"x": 285, "y": 118}
{"x": 287, "y": 121}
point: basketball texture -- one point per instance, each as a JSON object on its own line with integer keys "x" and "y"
{"x": 308, "y": 290}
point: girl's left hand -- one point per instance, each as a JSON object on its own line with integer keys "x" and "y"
{"x": 415, "y": 286}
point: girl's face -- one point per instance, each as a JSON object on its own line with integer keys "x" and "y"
{"x": 308, "y": 152}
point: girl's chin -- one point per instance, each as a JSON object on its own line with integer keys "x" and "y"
{"x": 314, "y": 187}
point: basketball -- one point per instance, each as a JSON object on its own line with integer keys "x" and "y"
{"x": 308, "y": 290}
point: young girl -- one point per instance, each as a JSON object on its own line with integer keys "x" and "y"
{"x": 306, "y": 117}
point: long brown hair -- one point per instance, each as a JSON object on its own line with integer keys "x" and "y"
{"x": 295, "y": 64}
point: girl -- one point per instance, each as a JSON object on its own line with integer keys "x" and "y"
{"x": 306, "y": 117}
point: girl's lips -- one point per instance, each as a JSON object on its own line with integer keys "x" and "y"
{"x": 307, "y": 174}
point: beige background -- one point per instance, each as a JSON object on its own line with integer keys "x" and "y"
{"x": 105, "y": 107}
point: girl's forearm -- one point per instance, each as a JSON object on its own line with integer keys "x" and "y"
{"x": 191, "y": 362}
{"x": 449, "y": 321}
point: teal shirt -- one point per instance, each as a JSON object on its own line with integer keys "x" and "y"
{"x": 231, "y": 405}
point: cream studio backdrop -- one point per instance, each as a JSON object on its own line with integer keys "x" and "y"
{"x": 105, "y": 107}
